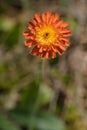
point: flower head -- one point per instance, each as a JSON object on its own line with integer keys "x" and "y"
{"x": 47, "y": 35}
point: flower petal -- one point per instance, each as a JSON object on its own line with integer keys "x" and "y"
{"x": 38, "y": 18}
{"x": 57, "y": 49}
{"x": 61, "y": 23}
{"x": 29, "y": 35}
{"x": 48, "y": 16}
{"x": 52, "y": 54}
{"x": 35, "y": 51}
{"x": 44, "y": 17}
{"x": 45, "y": 55}
{"x": 26, "y": 33}
{"x": 65, "y": 41}
{"x": 56, "y": 18}
{"x": 29, "y": 43}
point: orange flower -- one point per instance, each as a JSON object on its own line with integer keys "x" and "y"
{"x": 47, "y": 35}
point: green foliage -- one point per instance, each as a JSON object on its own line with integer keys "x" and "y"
{"x": 6, "y": 24}
{"x": 73, "y": 118}
{"x": 48, "y": 121}
{"x": 42, "y": 120}
{"x": 6, "y": 124}
{"x": 29, "y": 96}
{"x": 28, "y": 114}
{"x": 74, "y": 24}
{"x": 13, "y": 36}
{"x": 46, "y": 94}
{"x": 71, "y": 113}
{"x": 35, "y": 89}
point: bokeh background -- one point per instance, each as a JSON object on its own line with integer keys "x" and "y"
{"x": 59, "y": 100}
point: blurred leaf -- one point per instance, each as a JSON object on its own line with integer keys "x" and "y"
{"x": 20, "y": 116}
{"x": 71, "y": 113}
{"x": 47, "y": 121}
{"x": 46, "y": 94}
{"x": 13, "y": 37}
{"x": 6, "y": 124}
{"x": 74, "y": 24}
{"x": 6, "y": 24}
{"x": 29, "y": 96}
{"x": 43, "y": 121}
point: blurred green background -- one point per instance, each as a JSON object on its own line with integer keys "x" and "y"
{"x": 59, "y": 100}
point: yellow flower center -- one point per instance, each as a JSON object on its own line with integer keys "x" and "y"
{"x": 46, "y": 35}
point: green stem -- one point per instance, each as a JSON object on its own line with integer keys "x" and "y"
{"x": 36, "y": 104}
{"x": 41, "y": 75}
